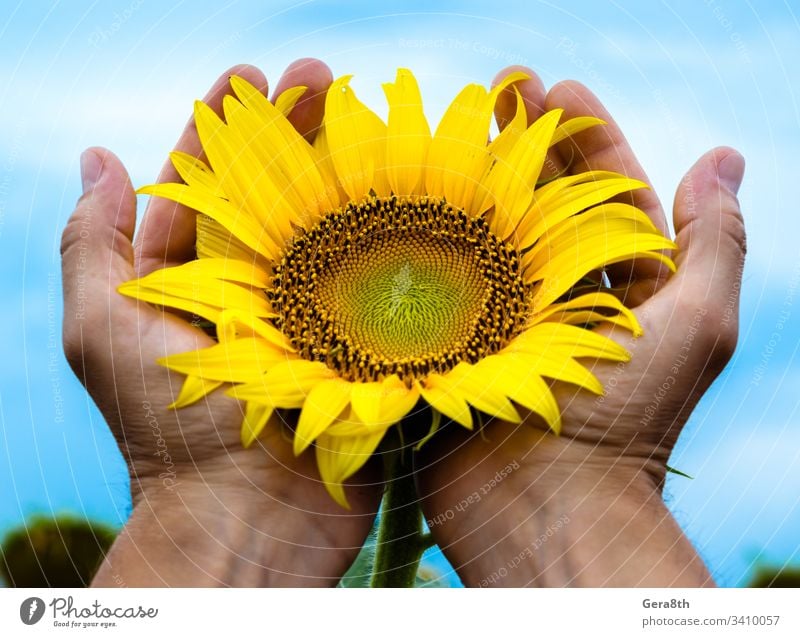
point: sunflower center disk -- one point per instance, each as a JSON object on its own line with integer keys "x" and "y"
{"x": 391, "y": 286}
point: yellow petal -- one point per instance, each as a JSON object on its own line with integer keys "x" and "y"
{"x": 483, "y": 391}
{"x": 234, "y": 324}
{"x": 397, "y": 400}
{"x": 377, "y": 405}
{"x": 446, "y": 398}
{"x": 193, "y": 389}
{"x": 562, "y": 234}
{"x": 458, "y": 156}
{"x": 239, "y": 361}
{"x": 499, "y": 148}
{"x": 215, "y": 242}
{"x": 461, "y": 132}
{"x": 245, "y": 176}
{"x": 269, "y": 171}
{"x": 288, "y": 99}
{"x": 195, "y": 172}
{"x": 592, "y": 300}
{"x": 285, "y": 156}
{"x": 501, "y": 145}
{"x": 568, "y": 341}
{"x": 366, "y": 401}
{"x": 508, "y": 80}
{"x": 408, "y": 135}
{"x": 286, "y": 384}
{"x": 256, "y": 416}
{"x": 589, "y": 317}
{"x": 322, "y": 154}
{"x": 224, "y": 269}
{"x": 596, "y": 244}
{"x": 296, "y": 158}
{"x": 205, "y": 296}
{"x": 544, "y": 214}
{"x": 513, "y": 178}
{"x": 349, "y": 424}
{"x": 239, "y": 223}
{"x": 356, "y": 138}
{"x": 574, "y": 126}
{"x": 552, "y": 364}
{"x": 523, "y": 384}
{"x": 339, "y": 457}
{"x": 548, "y": 192}
{"x": 324, "y": 403}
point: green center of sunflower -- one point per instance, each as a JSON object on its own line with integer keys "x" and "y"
{"x": 392, "y": 286}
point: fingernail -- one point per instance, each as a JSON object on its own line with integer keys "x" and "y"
{"x": 731, "y": 171}
{"x": 91, "y": 169}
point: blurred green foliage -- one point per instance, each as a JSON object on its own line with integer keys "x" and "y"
{"x": 776, "y": 577}
{"x": 54, "y": 552}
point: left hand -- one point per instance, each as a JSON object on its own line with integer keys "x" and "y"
{"x": 206, "y": 510}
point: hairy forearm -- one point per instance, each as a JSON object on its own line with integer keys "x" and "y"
{"x": 593, "y": 537}
{"x": 195, "y": 537}
{"x": 569, "y": 523}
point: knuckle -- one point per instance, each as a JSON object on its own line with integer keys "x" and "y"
{"x": 84, "y": 339}
{"x": 69, "y": 237}
{"x": 708, "y": 331}
{"x": 85, "y": 326}
{"x": 724, "y": 345}
{"x": 735, "y": 229}
{"x": 74, "y": 347}
{"x": 720, "y": 339}
{"x": 75, "y": 230}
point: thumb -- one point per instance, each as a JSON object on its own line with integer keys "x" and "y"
{"x": 711, "y": 248}
{"x": 96, "y": 250}
{"x": 708, "y": 223}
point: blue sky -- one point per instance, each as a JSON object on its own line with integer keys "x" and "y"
{"x": 681, "y": 77}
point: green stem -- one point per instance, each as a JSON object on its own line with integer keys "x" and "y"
{"x": 400, "y": 542}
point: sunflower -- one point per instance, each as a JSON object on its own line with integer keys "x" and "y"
{"x": 384, "y": 267}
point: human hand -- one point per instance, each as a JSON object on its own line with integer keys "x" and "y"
{"x": 596, "y": 487}
{"x": 206, "y": 510}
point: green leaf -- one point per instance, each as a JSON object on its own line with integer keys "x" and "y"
{"x": 678, "y": 473}
{"x": 436, "y": 419}
{"x": 359, "y": 574}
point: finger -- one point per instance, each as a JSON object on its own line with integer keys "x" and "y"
{"x": 533, "y": 96}
{"x": 101, "y": 327}
{"x": 711, "y": 249}
{"x": 307, "y": 114}
{"x": 601, "y": 147}
{"x": 605, "y": 148}
{"x": 96, "y": 250}
{"x": 168, "y": 231}
{"x": 532, "y": 91}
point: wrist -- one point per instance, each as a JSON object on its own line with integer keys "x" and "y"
{"x": 558, "y": 513}
{"x": 227, "y": 526}
{"x": 226, "y": 480}
{"x": 579, "y": 464}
